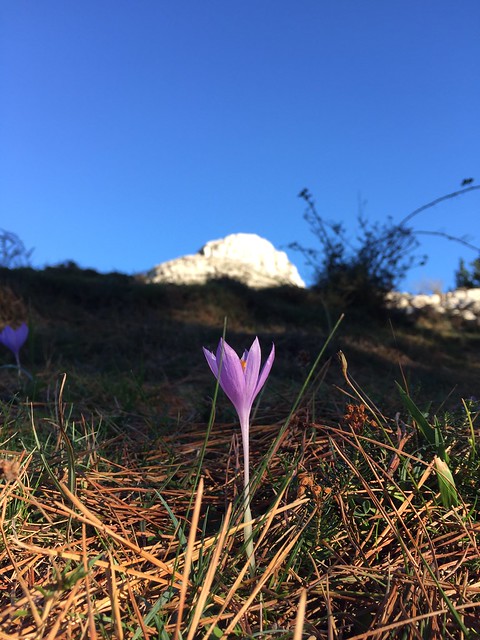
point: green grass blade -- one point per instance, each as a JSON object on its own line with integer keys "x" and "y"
{"x": 446, "y": 483}
{"x": 468, "y": 413}
{"x": 428, "y": 432}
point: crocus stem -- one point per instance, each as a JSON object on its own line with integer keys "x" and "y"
{"x": 247, "y": 514}
{"x": 249, "y": 538}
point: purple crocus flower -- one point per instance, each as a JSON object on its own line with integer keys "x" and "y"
{"x": 14, "y": 339}
{"x": 242, "y": 380}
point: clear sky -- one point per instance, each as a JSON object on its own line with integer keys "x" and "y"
{"x": 132, "y": 132}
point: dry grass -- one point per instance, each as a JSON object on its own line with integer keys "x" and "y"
{"x": 373, "y": 558}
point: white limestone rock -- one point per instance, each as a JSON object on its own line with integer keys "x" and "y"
{"x": 463, "y": 304}
{"x": 245, "y": 257}
{"x": 469, "y": 316}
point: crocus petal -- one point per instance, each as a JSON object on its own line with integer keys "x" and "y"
{"x": 252, "y": 368}
{"x": 7, "y": 336}
{"x": 265, "y": 372}
{"x": 22, "y": 334}
{"x": 212, "y": 361}
{"x": 232, "y": 379}
{"x": 226, "y": 371}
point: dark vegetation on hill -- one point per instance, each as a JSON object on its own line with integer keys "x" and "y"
{"x": 120, "y": 340}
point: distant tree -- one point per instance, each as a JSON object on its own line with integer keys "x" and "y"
{"x": 360, "y": 272}
{"x": 12, "y": 251}
{"x": 465, "y": 278}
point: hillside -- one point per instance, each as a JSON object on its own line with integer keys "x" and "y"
{"x": 121, "y": 509}
{"x": 87, "y": 324}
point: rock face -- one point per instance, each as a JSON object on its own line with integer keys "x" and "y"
{"x": 245, "y": 257}
{"x": 463, "y": 304}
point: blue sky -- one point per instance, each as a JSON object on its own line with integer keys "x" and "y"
{"x": 134, "y": 132}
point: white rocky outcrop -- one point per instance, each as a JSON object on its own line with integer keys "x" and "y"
{"x": 463, "y": 304}
{"x": 245, "y": 257}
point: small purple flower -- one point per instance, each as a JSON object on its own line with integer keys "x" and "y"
{"x": 242, "y": 380}
{"x": 14, "y": 339}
